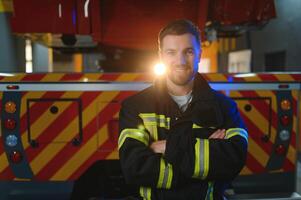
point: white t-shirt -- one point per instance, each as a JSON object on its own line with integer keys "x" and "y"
{"x": 182, "y": 101}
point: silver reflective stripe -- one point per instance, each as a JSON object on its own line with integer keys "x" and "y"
{"x": 165, "y": 178}
{"x": 201, "y": 164}
{"x": 145, "y": 193}
{"x": 155, "y": 120}
{"x": 150, "y": 119}
{"x": 163, "y": 122}
{"x": 201, "y": 161}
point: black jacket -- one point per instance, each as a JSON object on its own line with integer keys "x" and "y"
{"x": 193, "y": 166}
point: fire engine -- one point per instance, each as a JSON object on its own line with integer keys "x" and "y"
{"x": 58, "y": 128}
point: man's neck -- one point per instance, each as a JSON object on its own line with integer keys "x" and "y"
{"x": 179, "y": 90}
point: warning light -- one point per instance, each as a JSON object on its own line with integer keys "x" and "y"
{"x": 159, "y": 69}
{"x": 10, "y": 107}
{"x": 10, "y": 124}
{"x": 284, "y": 135}
{"x": 280, "y": 150}
{"x": 285, "y": 120}
{"x": 16, "y": 157}
{"x": 11, "y": 140}
{"x": 285, "y": 104}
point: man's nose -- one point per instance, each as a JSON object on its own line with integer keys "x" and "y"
{"x": 181, "y": 59}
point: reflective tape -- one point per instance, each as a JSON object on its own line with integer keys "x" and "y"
{"x": 201, "y": 166}
{"x": 136, "y": 134}
{"x": 197, "y": 126}
{"x": 209, "y": 195}
{"x": 165, "y": 175}
{"x": 237, "y": 131}
{"x": 154, "y": 119}
{"x": 146, "y": 193}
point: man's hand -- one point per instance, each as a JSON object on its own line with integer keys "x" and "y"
{"x": 158, "y": 146}
{"x": 219, "y": 134}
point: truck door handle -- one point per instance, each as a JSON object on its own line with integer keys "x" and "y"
{"x": 86, "y": 6}
{"x": 60, "y": 10}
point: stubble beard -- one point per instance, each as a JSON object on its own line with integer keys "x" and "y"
{"x": 181, "y": 79}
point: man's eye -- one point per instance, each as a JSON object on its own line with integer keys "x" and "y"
{"x": 190, "y": 52}
{"x": 171, "y": 53}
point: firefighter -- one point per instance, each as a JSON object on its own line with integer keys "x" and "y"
{"x": 180, "y": 139}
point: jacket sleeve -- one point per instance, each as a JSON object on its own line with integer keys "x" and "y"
{"x": 140, "y": 165}
{"x": 210, "y": 159}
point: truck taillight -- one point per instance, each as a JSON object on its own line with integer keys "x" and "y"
{"x": 10, "y": 124}
{"x": 280, "y": 150}
{"x": 285, "y": 104}
{"x": 16, "y": 157}
{"x": 285, "y": 120}
{"x": 10, "y": 107}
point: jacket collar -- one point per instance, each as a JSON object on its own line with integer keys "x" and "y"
{"x": 203, "y": 102}
{"x": 201, "y": 89}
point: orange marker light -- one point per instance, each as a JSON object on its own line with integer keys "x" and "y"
{"x": 10, "y": 107}
{"x": 285, "y": 104}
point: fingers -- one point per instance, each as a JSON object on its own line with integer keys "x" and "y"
{"x": 218, "y": 134}
{"x": 158, "y": 146}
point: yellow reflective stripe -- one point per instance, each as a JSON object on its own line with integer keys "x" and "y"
{"x": 206, "y": 158}
{"x": 136, "y": 134}
{"x": 152, "y": 121}
{"x": 161, "y": 173}
{"x": 201, "y": 165}
{"x": 155, "y": 120}
{"x": 164, "y": 122}
{"x": 197, "y": 158}
{"x": 196, "y": 126}
{"x": 170, "y": 176}
{"x": 237, "y": 131}
{"x": 165, "y": 175}
{"x": 145, "y": 193}
{"x": 209, "y": 195}
{"x": 154, "y": 133}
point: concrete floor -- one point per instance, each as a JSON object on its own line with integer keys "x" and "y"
{"x": 16, "y": 191}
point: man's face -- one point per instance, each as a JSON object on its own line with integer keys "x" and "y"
{"x": 180, "y": 54}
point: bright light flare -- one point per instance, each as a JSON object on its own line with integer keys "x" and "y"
{"x": 159, "y": 69}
